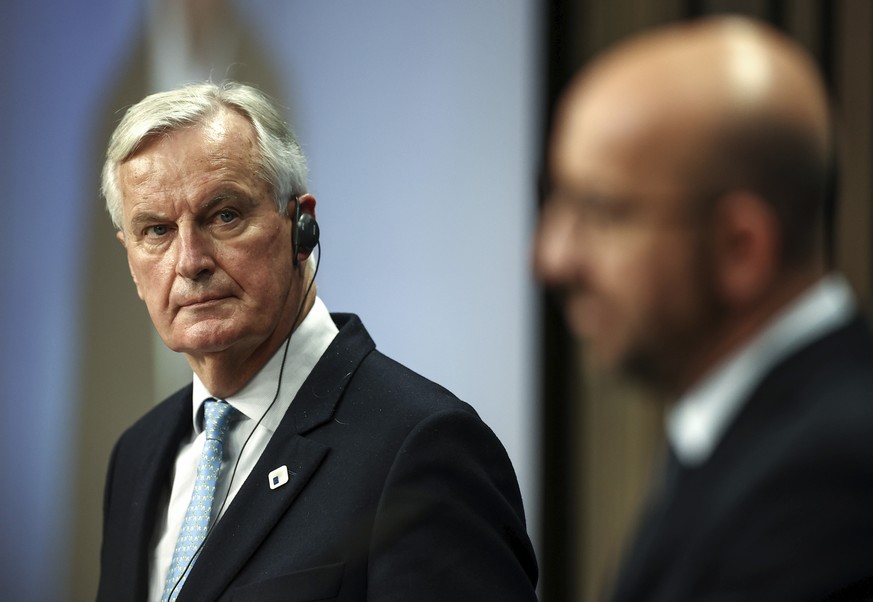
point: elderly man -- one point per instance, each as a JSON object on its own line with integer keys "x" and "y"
{"x": 301, "y": 464}
{"x": 682, "y": 228}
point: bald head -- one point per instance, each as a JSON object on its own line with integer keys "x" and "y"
{"x": 688, "y": 170}
{"x": 726, "y": 68}
{"x": 719, "y": 103}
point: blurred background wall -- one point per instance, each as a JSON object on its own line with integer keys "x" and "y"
{"x": 425, "y": 124}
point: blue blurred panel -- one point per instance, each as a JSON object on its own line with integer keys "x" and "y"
{"x": 55, "y": 56}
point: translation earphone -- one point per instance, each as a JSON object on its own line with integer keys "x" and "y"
{"x": 306, "y": 232}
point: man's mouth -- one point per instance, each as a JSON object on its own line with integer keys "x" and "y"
{"x": 203, "y": 301}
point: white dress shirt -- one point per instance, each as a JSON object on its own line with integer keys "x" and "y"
{"x": 307, "y": 345}
{"x": 697, "y": 422}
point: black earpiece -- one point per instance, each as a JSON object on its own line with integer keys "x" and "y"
{"x": 305, "y": 234}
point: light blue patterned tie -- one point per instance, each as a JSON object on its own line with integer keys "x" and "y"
{"x": 196, "y": 524}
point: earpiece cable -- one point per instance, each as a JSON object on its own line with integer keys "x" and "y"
{"x": 257, "y": 424}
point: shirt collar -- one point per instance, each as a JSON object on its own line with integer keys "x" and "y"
{"x": 697, "y": 422}
{"x": 308, "y": 342}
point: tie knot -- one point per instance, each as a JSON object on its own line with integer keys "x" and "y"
{"x": 216, "y": 418}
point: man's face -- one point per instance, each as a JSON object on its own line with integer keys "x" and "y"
{"x": 208, "y": 250}
{"x": 619, "y": 239}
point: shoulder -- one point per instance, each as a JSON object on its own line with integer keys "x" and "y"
{"x": 820, "y": 396}
{"x": 413, "y": 419}
{"x": 794, "y": 475}
{"x": 387, "y": 385}
{"x": 831, "y": 390}
{"x": 803, "y": 438}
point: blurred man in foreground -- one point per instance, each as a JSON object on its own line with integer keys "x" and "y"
{"x": 301, "y": 464}
{"x": 682, "y": 228}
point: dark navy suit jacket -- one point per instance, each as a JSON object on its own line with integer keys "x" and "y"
{"x": 397, "y": 492}
{"x": 783, "y": 509}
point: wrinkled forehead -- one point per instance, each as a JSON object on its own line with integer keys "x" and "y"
{"x": 218, "y": 153}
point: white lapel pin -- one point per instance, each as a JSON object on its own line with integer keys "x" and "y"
{"x": 278, "y": 477}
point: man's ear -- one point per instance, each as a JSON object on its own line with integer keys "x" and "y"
{"x": 305, "y": 232}
{"x": 747, "y": 247}
{"x": 119, "y": 234}
{"x": 307, "y": 204}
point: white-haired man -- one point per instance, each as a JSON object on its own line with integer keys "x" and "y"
{"x": 301, "y": 464}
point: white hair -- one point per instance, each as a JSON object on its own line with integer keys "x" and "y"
{"x": 281, "y": 162}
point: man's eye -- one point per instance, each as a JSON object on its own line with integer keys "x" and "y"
{"x": 227, "y": 215}
{"x": 158, "y": 230}
{"x": 606, "y": 214}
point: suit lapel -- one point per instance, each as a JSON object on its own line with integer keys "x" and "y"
{"x": 252, "y": 515}
{"x": 148, "y": 483}
{"x": 256, "y": 509}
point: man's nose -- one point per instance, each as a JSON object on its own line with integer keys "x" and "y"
{"x": 196, "y": 253}
{"x": 558, "y": 247}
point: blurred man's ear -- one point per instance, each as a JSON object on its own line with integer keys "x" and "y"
{"x": 746, "y": 245}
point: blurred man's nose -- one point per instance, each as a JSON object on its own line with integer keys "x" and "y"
{"x": 557, "y": 247}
